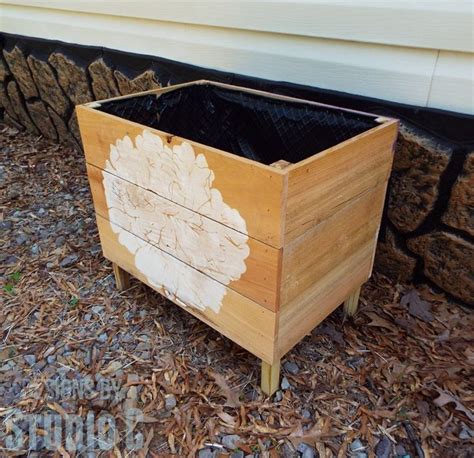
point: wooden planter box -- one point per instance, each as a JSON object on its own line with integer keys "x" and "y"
{"x": 262, "y": 252}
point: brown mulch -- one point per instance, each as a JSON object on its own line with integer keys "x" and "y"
{"x": 394, "y": 381}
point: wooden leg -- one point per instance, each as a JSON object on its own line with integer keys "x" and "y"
{"x": 122, "y": 278}
{"x": 351, "y": 303}
{"x": 270, "y": 380}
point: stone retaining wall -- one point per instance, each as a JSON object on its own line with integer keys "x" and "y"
{"x": 428, "y": 228}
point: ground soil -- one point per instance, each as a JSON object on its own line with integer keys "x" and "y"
{"x": 394, "y": 381}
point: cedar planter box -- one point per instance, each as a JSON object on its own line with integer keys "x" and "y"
{"x": 256, "y": 213}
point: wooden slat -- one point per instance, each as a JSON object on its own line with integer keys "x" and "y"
{"x": 315, "y": 303}
{"x": 255, "y": 190}
{"x": 319, "y": 185}
{"x": 270, "y": 377}
{"x": 329, "y": 245}
{"x": 259, "y": 282}
{"x": 239, "y": 318}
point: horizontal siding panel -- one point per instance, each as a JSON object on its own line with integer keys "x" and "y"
{"x": 453, "y": 85}
{"x": 434, "y": 24}
{"x": 386, "y": 72}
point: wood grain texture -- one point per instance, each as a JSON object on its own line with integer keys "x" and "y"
{"x": 310, "y": 228}
{"x": 351, "y": 303}
{"x": 260, "y": 282}
{"x": 122, "y": 277}
{"x": 258, "y": 197}
{"x": 314, "y": 304}
{"x": 321, "y": 184}
{"x": 270, "y": 377}
{"x": 240, "y": 319}
{"x": 329, "y": 244}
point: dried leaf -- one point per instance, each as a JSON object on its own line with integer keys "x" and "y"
{"x": 378, "y": 321}
{"x": 447, "y": 398}
{"x": 417, "y": 307}
{"x": 232, "y": 397}
{"x": 329, "y": 330}
{"x": 226, "y": 418}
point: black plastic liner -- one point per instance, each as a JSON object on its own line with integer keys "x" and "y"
{"x": 253, "y": 126}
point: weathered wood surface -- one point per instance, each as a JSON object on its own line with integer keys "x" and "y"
{"x": 329, "y": 245}
{"x": 292, "y": 241}
{"x": 194, "y": 239}
{"x": 122, "y": 277}
{"x": 307, "y": 310}
{"x": 254, "y": 189}
{"x": 237, "y": 317}
{"x": 319, "y": 185}
{"x": 270, "y": 377}
{"x": 352, "y": 302}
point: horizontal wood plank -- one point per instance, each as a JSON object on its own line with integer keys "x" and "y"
{"x": 329, "y": 245}
{"x": 321, "y": 184}
{"x": 238, "y": 318}
{"x": 257, "y": 198}
{"x": 201, "y": 238}
{"x": 307, "y": 310}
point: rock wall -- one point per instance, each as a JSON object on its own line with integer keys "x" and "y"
{"x": 428, "y": 228}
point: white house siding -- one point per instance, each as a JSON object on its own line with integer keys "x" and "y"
{"x": 414, "y": 52}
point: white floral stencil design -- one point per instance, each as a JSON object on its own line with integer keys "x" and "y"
{"x": 179, "y": 217}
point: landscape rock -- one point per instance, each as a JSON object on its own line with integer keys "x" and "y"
{"x": 19, "y": 107}
{"x": 291, "y": 367}
{"x": 103, "y": 337}
{"x": 460, "y": 212}
{"x": 400, "y": 450}
{"x": 448, "y": 261}
{"x": 170, "y": 401}
{"x": 418, "y": 164}
{"x": 230, "y": 441}
{"x": 30, "y": 359}
{"x": 357, "y": 445}
{"x": 69, "y": 260}
{"x": 383, "y": 448}
{"x": 103, "y": 82}
{"x": 4, "y": 72}
{"x": 466, "y": 433}
{"x": 20, "y": 70}
{"x": 74, "y": 128}
{"x": 40, "y": 117}
{"x": 49, "y": 88}
{"x": 392, "y": 260}
{"x": 6, "y": 103}
{"x": 306, "y": 451}
{"x": 61, "y": 128}
{"x": 72, "y": 78}
{"x": 143, "y": 82}
{"x": 207, "y": 453}
{"x": 285, "y": 384}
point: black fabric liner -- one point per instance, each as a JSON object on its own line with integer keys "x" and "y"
{"x": 253, "y": 126}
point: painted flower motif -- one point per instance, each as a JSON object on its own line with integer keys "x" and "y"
{"x": 178, "y": 217}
